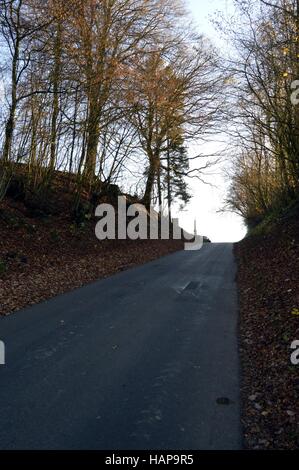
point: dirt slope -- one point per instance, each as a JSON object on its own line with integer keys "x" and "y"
{"x": 268, "y": 281}
{"x": 43, "y": 257}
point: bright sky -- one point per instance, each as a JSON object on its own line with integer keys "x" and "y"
{"x": 208, "y": 200}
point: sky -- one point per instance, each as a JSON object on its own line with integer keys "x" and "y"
{"x": 208, "y": 199}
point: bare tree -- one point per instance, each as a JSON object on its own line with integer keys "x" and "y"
{"x": 266, "y": 126}
{"x": 172, "y": 96}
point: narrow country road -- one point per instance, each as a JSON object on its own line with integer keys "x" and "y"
{"x": 146, "y": 359}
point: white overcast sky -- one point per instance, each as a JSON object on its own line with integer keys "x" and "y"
{"x": 207, "y": 200}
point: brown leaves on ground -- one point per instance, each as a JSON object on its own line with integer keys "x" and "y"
{"x": 269, "y": 294}
{"x": 40, "y": 259}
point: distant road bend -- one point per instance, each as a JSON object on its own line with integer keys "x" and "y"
{"x": 146, "y": 359}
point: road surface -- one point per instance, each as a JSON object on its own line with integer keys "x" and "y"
{"x": 146, "y": 359}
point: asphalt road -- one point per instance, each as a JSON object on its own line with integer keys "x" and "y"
{"x": 146, "y": 359}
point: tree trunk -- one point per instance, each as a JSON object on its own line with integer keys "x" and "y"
{"x": 74, "y": 133}
{"x": 93, "y": 135}
{"x": 169, "y": 195}
{"x": 153, "y": 171}
{"x": 159, "y": 188}
{"x": 10, "y": 125}
{"x": 56, "y": 81}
